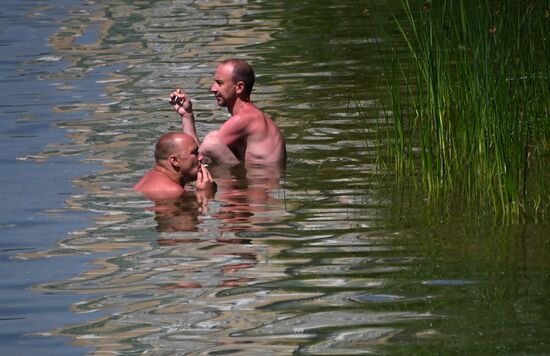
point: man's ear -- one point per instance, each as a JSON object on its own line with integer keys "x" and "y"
{"x": 174, "y": 161}
{"x": 240, "y": 87}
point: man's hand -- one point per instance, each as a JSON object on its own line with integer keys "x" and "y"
{"x": 180, "y": 102}
{"x": 205, "y": 188}
{"x": 205, "y": 181}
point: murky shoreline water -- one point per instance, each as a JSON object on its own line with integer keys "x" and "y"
{"x": 325, "y": 260}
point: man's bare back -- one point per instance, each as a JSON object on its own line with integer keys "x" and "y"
{"x": 253, "y": 136}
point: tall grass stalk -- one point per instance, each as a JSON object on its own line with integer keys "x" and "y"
{"x": 478, "y": 101}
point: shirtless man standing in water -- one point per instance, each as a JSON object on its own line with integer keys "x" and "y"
{"x": 249, "y": 135}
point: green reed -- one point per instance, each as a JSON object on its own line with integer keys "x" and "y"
{"x": 474, "y": 117}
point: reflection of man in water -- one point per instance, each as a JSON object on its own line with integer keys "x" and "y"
{"x": 246, "y": 199}
{"x": 181, "y": 214}
{"x": 249, "y": 134}
{"x": 177, "y": 163}
{"x": 249, "y": 196}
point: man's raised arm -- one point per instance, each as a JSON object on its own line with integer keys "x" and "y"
{"x": 183, "y": 106}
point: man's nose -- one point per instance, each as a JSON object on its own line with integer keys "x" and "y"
{"x": 201, "y": 157}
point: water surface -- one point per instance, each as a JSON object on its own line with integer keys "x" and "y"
{"x": 326, "y": 258}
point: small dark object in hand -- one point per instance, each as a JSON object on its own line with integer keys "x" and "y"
{"x": 176, "y": 100}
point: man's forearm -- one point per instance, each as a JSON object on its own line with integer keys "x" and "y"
{"x": 215, "y": 151}
{"x": 188, "y": 126}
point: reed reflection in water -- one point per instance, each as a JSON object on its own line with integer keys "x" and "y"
{"x": 315, "y": 260}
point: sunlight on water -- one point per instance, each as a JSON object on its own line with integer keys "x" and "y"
{"x": 309, "y": 261}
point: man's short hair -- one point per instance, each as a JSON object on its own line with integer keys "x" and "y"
{"x": 242, "y": 71}
{"x": 166, "y": 145}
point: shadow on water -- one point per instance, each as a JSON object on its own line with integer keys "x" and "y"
{"x": 324, "y": 259}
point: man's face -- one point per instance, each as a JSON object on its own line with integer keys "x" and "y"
{"x": 188, "y": 158}
{"x": 223, "y": 87}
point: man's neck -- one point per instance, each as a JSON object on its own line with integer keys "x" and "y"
{"x": 238, "y": 106}
{"x": 174, "y": 177}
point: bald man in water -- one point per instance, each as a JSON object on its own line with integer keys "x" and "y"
{"x": 249, "y": 135}
{"x": 178, "y": 162}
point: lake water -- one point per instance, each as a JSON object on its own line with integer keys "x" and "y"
{"x": 327, "y": 259}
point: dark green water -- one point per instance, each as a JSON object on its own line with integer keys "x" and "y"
{"x": 328, "y": 260}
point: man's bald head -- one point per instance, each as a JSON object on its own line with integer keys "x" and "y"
{"x": 242, "y": 72}
{"x": 170, "y": 143}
